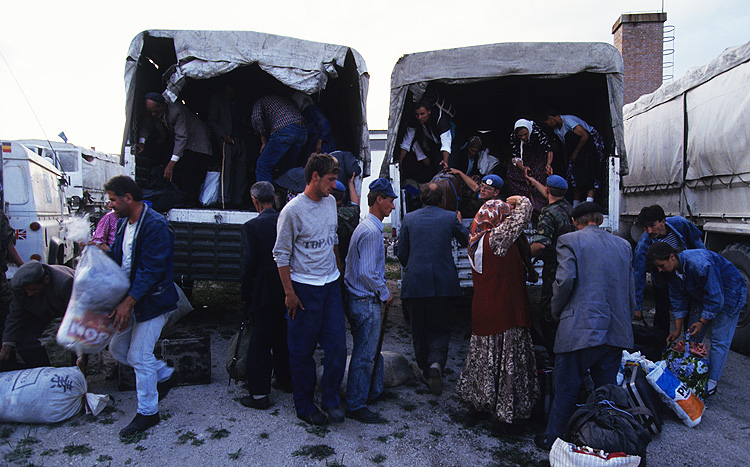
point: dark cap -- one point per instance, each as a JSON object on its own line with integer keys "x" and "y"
{"x": 556, "y": 181}
{"x": 585, "y": 208}
{"x": 384, "y": 186}
{"x": 493, "y": 180}
{"x": 156, "y": 97}
{"x": 29, "y": 273}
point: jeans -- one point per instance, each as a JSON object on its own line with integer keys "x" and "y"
{"x": 364, "y": 320}
{"x": 570, "y": 369}
{"x": 135, "y": 347}
{"x": 430, "y": 330}
{"x": 722, "y": 332}
{"x": 286, "y": 142}
{"x": 322, "y": 321}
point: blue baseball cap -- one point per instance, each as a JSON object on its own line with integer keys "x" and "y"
{"x": 384, "y": 186}
{"x": 493, "y": 180}
{"x": 339, "y": 186}
{"x": 556, "y": 181}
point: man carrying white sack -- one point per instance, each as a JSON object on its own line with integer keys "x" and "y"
{"x": 143, "y": 247}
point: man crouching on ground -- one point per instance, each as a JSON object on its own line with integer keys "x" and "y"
{"x": 307, "y": 261}
{"x": 143, "y": 247}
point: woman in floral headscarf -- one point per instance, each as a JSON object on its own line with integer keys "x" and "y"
{"x": 499, "y": 374}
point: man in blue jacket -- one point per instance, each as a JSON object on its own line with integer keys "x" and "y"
{"x": 706, "y": 278}
{"x": 676, "y": 231}
{"x": 430, "y": 276}
{"x": 143, "y": 247}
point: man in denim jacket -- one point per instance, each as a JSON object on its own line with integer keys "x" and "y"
{"x": 676, "y": 231}
{"x": 143, "y": 247}
{"x": 706, "y": 278}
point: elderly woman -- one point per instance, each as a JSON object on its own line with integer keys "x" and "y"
{"x": 531, "y": 154}
{"x": 499, "y": 375}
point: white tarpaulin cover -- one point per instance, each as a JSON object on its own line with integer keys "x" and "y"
{"x": 716, "y": 100}
{"x": 540, "y": 59}
{"x": 302, "y": 65}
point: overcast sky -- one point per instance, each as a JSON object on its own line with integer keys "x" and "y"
{"x": 69, "y": 57}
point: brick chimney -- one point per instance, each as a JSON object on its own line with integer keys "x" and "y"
{"x": 639, "y": 38}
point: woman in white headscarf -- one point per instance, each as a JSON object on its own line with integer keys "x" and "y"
{"x": 531, "y": 153}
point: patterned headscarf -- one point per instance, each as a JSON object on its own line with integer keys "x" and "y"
{"x": 490, "y": 215}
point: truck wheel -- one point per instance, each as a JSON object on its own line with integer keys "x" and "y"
{"x": 739, "y": 255}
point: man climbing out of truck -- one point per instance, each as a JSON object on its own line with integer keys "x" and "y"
{"x": 676, "y": 231}
{"x": 554, "y": 220}
{"x": 710, "y": 279}
{"x": 426, "y": 146}
{"x": 41, "y": 293}
{"x": 143, "y": 247}
{"x": 585, "y": 150}
{"x": 192, "y": 146}
{"x": 281, "y": 128}
{"x": 306, "y": 258}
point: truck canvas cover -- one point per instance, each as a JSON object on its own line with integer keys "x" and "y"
{"x": 541, "y": 60}
{"x": 298, "y": 64}
{"x": 710, "y": 103}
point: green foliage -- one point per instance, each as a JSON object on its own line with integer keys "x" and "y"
{"x": 77, "y": 449}
{"x": 135, "y": 438}
{"x": 234, "y": 455}
{"x": 379, "y": 459}
{"x": 314, "y": 451}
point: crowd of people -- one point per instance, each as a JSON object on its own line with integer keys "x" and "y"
{"x": 309, "y": 268}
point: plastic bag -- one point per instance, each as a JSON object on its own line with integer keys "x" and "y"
{"x": 99, "y": 286}
{"x": 46, "y": 395}
{"x": 676, "y": 394}
{"x": 564, "y": 454}
{"x": 687, "y": 361}
{"x": 209, "y": 193}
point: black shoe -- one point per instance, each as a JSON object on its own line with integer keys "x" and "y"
{"x": 434, "y": 380}
{"x": 286, "y": 387}
{"x": 315, "y": 418}
{"x": 261, "y": 404}
{"x": 335, "y": 414}
{"x": 165, "y": 386}
{"x": 140, "y": 423}
{"x": 541, "y": 442}
{"x": 363, "y": 415}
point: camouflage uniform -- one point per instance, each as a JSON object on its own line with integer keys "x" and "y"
{"x": 348, "y": 215}
{"x": 7, "y": 238}
{"x": 554, "y": 220}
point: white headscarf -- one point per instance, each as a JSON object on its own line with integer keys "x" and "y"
{"x": 303, "y": 100}
{"x": 522, "y": 123}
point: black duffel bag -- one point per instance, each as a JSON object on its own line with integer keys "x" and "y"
{"x": 607, "y": 422}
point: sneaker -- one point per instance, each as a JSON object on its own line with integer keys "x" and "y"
{"x": 165, "y": 386}
{"x": 435, "y": 380}
{"x": 315, "y": 418}
{"x": 139, "y": 424}
{"x": 261, "y": 404}
{"x": 363, "y": 415}
{"x": 335, "y": 414}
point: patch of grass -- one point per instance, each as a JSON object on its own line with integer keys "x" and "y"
{"x": 6, "y": 432}
{"x": 393, "y": 274}
{"x": 318, "y": 430}
{"x": 436, "y": 433}
{"x": 197, "y": 442}
{"x": 398, "y": 434}
{"x": 315, "y": 451}
{"x": 104, "y": 458}
{"x": 140, "y": 448}
{"x": 264, "y": 435}
{"x": 234, "y": 455}
{"x": 28, "y": 440}
{"x": 433, "y": 402}
{"x": 336, "y": 463}
{"x": 231, "y": 419}
{"x": 129, "y": 461}
{"x": 135, "y": 438}
{"x": 408, "y": 407}
{"x": 77, "y": 449}
{"x": 217, "y": 434}
{"x": 379, "y": 459}
{"x": 19, "y": 453}
{"x": 48, "y": 452}
{"x": 109, "y": 409}
{"x": 510, "y": 456}
{"x": 165, "y": 416}
{"x": 382, "y": 438}
{"x": 185, "y": 437}
{"x": 275, "y": 413}
{"x": 105, "y": 421}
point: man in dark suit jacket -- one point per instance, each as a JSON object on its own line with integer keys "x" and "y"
{"x": 263, "y": 293}
{"x": 424, "y": 250}
{"x": 192, "y": 144}
{"x": 593, "y": 299}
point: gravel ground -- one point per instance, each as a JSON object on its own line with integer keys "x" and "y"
{"x": 206, "y": 425}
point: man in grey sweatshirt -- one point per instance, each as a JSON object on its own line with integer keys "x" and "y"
{"x": 308, "y": 267}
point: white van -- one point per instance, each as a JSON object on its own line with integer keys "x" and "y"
{"x": 33, "y": 199}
